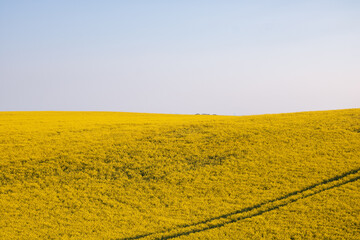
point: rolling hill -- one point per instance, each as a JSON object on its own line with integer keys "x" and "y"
{"x": 106, "y": 175}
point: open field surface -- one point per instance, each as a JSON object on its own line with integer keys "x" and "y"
{"x": 99, "y": 175}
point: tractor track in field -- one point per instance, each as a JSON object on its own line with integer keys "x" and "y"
{"x": 253, "y": 211}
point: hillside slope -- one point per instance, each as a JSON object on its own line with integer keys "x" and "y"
{"x": 100, "y": 175}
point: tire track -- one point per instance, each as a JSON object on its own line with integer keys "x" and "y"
{"x": 254, "y": 210}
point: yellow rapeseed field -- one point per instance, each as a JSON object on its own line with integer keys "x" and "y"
{"x": 102, "y": 175}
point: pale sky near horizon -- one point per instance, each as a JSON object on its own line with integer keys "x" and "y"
{"x": 217, "y": 57}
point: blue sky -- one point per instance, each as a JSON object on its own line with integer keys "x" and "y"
{"x": 223, "y": 57}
